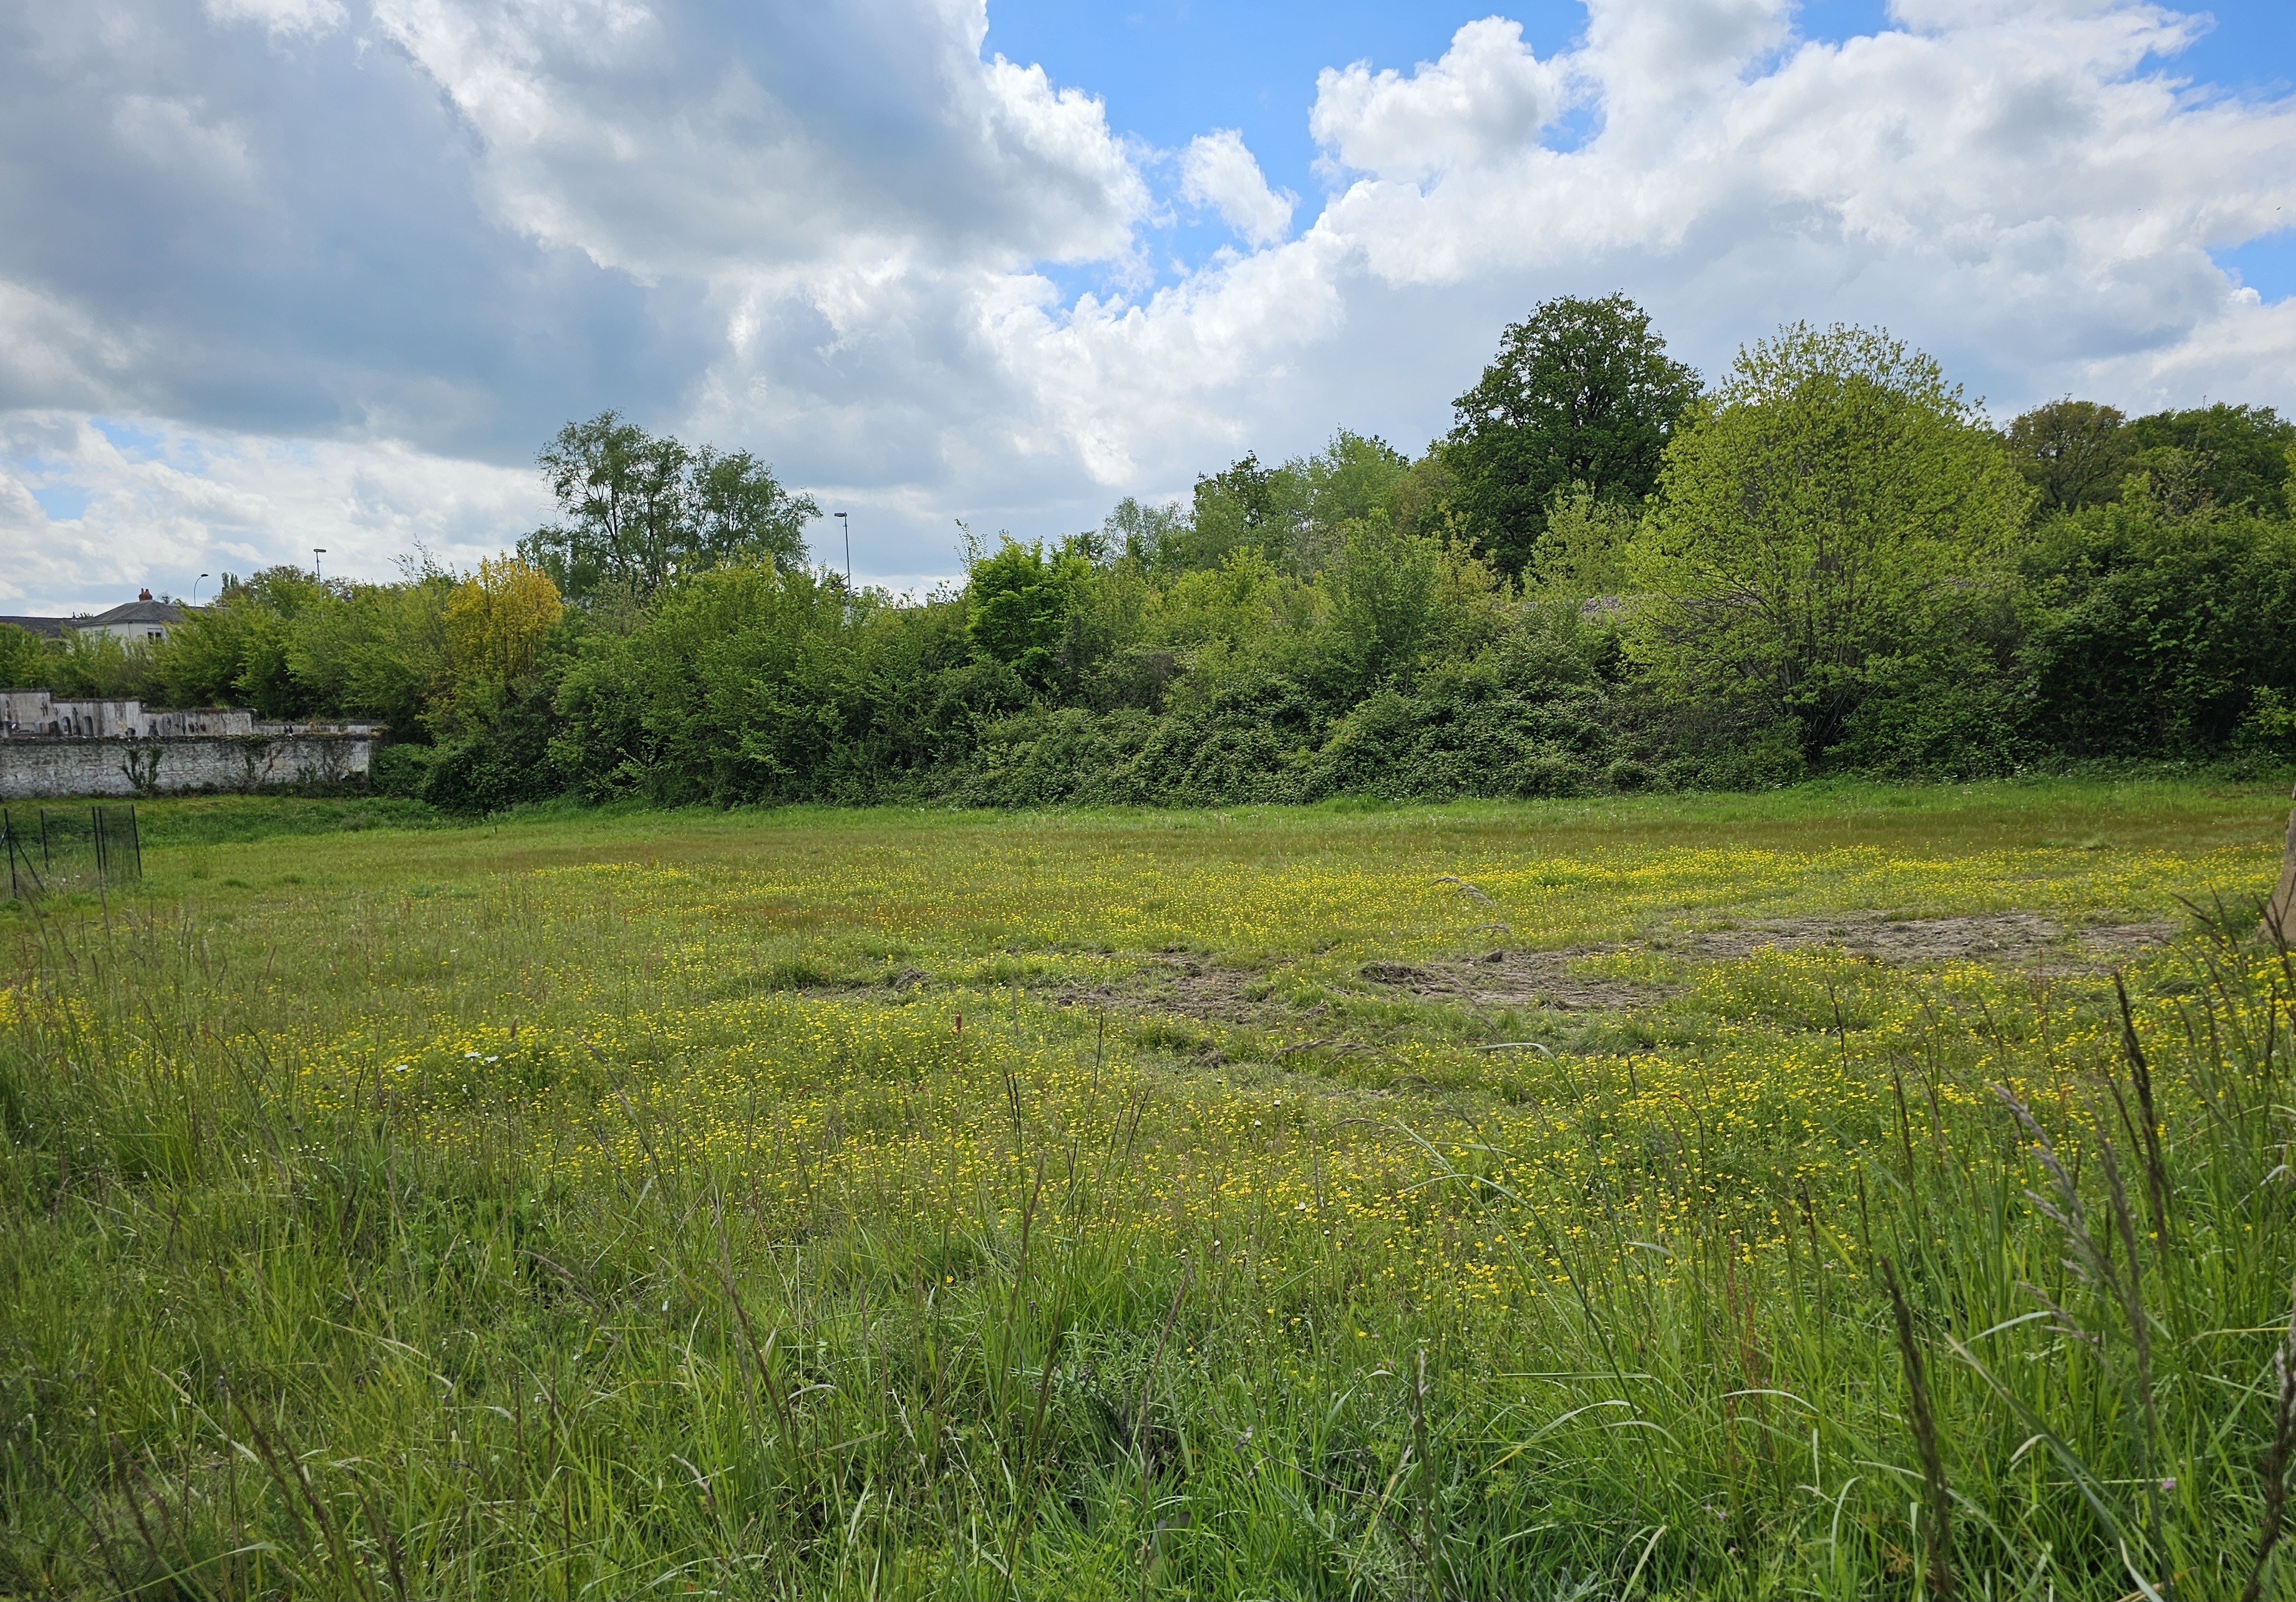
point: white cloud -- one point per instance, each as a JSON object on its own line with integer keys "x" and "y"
{"x": 163, "y": 503}
{"x": 833, "y": 235}
{"x": 285, "y": 19}
{"x": 692, "y": 161}
{"x": 1217, "y": 170}
{"x": 1485, "y": 100}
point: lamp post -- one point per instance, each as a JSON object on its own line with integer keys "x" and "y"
{"x": 317, "y": 552}
{"x": 845, "y": 523}
{"x": 196, "y": 583}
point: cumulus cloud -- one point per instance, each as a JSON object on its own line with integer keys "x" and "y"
{"x": 153, "y": 504}
{"x": 360, "y": 279}
{"x": 1484, "y": 101}
{"x": 1217, "y": 170}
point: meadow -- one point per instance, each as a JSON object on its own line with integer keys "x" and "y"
{"x": 1842, "y": 1192}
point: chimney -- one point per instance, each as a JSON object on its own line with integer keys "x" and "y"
{"x": 144, "y": 595}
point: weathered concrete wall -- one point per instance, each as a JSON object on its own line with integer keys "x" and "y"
{"x": 36, "y": 712}
{"x": 31, "y": 768}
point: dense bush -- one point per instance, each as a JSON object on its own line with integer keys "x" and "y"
{"x": 1838, "y": 565}
{"x": 2150, "y": 635}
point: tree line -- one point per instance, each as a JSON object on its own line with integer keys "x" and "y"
{"x": 1607, "y": 576}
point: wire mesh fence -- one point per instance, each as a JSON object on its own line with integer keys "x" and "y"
{"x": 50, "y": 850}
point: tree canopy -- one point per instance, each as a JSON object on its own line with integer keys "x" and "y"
{"x": 1581, "y": 394}
{"x": 1809, "y": 517}
{"x": 638, "y": 510}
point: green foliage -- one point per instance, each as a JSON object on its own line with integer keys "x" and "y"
{"x": 1581, "y": 552}
{"x": 237, "y": 652}
{"x": 24, "y": 659}
{"x": 2146, "y": 633}
{"x": 1581, "y": 394}
{"x": 1295, "y": 515}
{"x": 1527, "y": 717}
{"x": 2073, "y": 453}
{"x": 1828, "y": 565}
{"x": 2229, "y": 457}
{"x": 640, "y": 511}
{"x": 744, "y": 684}
{"x": 1024, "y": 611}
{"x": 102, "y": 666}
{"x": 1817, "y": 522}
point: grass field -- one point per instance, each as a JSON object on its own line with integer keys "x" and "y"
{"x": 1704, "y": 1197}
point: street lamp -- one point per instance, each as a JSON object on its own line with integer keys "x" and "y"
{"x": 845, "y": 523}
{"x": 196, "y": 583}
{"x": 317, "y": 552}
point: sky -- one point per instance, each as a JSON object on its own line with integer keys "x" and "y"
{"x": 280, "y": 277}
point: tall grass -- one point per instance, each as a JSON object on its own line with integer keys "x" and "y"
{"x": 546, "y": 1327}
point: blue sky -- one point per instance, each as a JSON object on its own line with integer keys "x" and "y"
{"x": 278, "y": 274}
{"x": 1170, "y": 68}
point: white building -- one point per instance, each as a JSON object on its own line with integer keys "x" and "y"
{"x": 141, "y": 621}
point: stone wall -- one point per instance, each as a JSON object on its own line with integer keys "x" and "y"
{"x": 32, "y": 769}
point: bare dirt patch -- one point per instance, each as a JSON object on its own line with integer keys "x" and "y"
{"x": 1189, "y": 988}
{"x": 1543, "y": 978}
{"x": 2014, "y": 939}
{"x": 1520, "y": 979}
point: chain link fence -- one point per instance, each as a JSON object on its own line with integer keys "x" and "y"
{"x": 51, "y": 850}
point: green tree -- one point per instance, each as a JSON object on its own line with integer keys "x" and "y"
{"x": 24, "y": 662}
{"x": 1024, "y": 610}
{"x": 1582, "y": 392}
{"x": 2221, "y": 455}
{"x": 741, "y": 514}
{"x": 639, "y": 510}
{"x": 2074, "y": 453}
{"x": 1811, "y": 522}
{"x": 2151, "y": 634}
{"x": 236, "y": 651}
{"x": 1581, "y": 554}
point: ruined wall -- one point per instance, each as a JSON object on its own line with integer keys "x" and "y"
{"x": 31, "y": 768}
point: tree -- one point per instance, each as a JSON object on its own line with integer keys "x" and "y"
{"x": 1812, "y": 522}
{"x": 495, "y": 620}
{"x": 2074, "y": 453}
{"x": 24, "y": 662}
{"x": 1023, "y": 609}
{"x": 742, "y": 514}
{"x": 2221, "y": 455}
{"x": 639, "y": 512}
{"x": 1582, "y": 392}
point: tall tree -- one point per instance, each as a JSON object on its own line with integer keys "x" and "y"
{"x": 1811, "y": 522}
{"x": 1581, "y": 393}
{"x": 638, "y": 510}
{"x": 2221, "y": 455}
{"x": 2075, "y": 452}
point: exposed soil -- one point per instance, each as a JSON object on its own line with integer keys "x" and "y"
{"x": 1520, "y": 979}
{"x": 2016, "y": 939}
{"x": 1188, "y": 986}
{"x": 1543, "y": 979}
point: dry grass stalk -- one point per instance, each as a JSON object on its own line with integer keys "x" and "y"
{"x": 2156, "y": 1171}
{"x": 2277, "y": 1455}
{"x": 1936, "y": 1500}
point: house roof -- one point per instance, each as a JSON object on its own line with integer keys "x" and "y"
{"x": 133, "y": 611}
{"x": 127, "y": 613}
